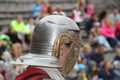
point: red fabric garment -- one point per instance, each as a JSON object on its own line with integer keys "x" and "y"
{"x": 32, "y": 73}
{"x": 117, "y": 28}
{"x": 76, "y": 15}
{"x": 72, "y": 15}
{"x": 45, "y": 6}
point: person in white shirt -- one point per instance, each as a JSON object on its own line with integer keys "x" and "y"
{"x": 115, "y": 15}
{"x": 76, "y": 15}
{"x": 59, "y": 11}
{"x": 31, "y": 26}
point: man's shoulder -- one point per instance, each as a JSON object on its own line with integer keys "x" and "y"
{"x": 13, "y": 22}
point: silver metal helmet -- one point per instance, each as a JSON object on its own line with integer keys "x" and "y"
{"x": 55, "y": 44}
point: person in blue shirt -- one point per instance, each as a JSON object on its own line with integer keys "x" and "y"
{"x": 106, "y": 73}
{"x": 36, "y": 8}
{"x": 86, "y": 52}
{"x": 97, "y": 54}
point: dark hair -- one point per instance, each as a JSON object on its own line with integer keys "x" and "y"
{"x": 50, "y": 10}
{"x": 115, "y": 8}
{"x": 93, "y": 14}
{"x": 103, "y": 14}
{"x": 0, "y": 28}
{"x": 100, "y": 45}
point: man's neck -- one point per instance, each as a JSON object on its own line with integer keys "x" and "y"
{"x": 19, "y": 22}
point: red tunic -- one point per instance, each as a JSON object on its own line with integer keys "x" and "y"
{"x": 32, "y": 73}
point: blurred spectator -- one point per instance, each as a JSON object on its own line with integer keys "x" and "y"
{"x": 76, "y": 15}
{"x": 116, "y": 65}
{"x": 31, "y": 26}
{"x": 97, "y": 55}
{"x": 79, "y": 59}
{"x": 59, "y": 11}
{"x": 106, "y": 73}
{"x": 82, "y": 72}
{"x": 5, "y": 47}
{"x": 1, "y": 52}
{"x": 3, "y": 70}
{"x": 109, "y": 32}
{"x": 1, "y": 77}
{"x": 45, "y": 12}
{"x": 117, "y": 30}
{"x": 12, "y": 35}
{"x": 117, "y": 57}
{"x": 36, "y": 8}
{"x": 20, "y": 28}
{"x": 86, "y": 52}
{"x": 16, "y": 46}
{"x": 115, "y": 16}
{"x": 82, "y": 5}
{"x": 89, "y": 23}
{"x": 83, "y": 61}
{"x": 90, "y": 10}
{"x": 96, "y": 36}
{"x": 50, "y": 10}
{"x": 42, "y": 14}
{"x": 103, "y": 15}
{"x": 95, "y": 30}
{"x": 92, "y": 71}
{"x": 14, "y": 72}
{"x": 45, "y": 4}
{"x": 0, "y": 30}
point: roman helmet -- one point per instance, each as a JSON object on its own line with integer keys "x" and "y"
{"x": 55, "y": 44}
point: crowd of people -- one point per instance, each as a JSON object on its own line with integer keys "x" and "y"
{"x": 103, "y": 34}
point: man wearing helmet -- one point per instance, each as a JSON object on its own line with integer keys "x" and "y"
{"x": 54, "y": 49}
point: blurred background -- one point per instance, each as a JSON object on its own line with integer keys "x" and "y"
{"x": 98, "y": 20}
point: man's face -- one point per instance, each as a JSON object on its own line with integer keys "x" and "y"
{"x": 94, "y": 17}
{"x": 19, "y": 18}
{"x": 101, "y": 49}
{"x": 3, "y": 42}
{"x": 63, "y": 53}
{"x": 59, "y": 8}
{"x": 88, "y": 50}
{"x": 31, "y": 21}
{"x": 115, "y": 12}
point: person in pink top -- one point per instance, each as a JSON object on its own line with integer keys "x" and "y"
{"x": 45, "y": 5}
{"x": 90, "y": 10}
{"x": 109, "y": 32}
